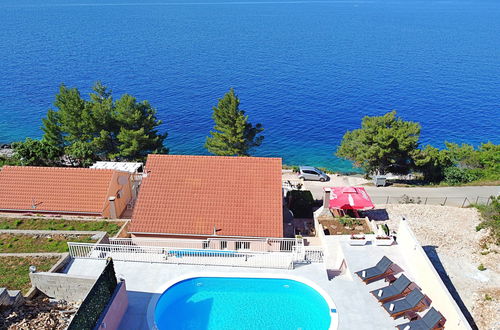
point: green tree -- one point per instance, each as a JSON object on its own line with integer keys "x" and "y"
{"x": 233, "y": 134}
{"x": 35, "y": 153}
{"x": 432, "y": 162}
{"x": 100, "y": 128}
{"x": 52, "y": 131}
{"x": 470, "y": 164}
{"x": 382, "y": 144}
{"x": 138, "y": 129}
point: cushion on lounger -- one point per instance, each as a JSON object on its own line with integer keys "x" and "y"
{"x": 407, "y": 327}
{"x": 391, "y": 307}
{"x": 380, "y": 293}
{"x": 363, "y": 273}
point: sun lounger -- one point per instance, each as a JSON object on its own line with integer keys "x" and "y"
{"x": 432, "y": 320}
{"x": 381, "y": 270}
{"x": 412, "y": 302}
{"x": 396, "y": 290}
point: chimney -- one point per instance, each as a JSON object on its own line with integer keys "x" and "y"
{"x": 326, "y": 199}
{"x": 112, "y": 207}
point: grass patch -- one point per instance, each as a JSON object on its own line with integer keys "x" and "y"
{"x": 14, "y": 271}
{"x": 111, "y": 228}
{"x": 34, "y": 243}
{"x": 491, "y": 218}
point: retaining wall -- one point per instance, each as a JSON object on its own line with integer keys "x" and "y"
{"x": 427, "y": 278}
{"x": 62, "y": 286}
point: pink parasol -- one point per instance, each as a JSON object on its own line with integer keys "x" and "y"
{"x": 354, "y": 198}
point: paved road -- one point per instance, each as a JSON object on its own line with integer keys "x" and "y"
{"x": 454, "y": 196}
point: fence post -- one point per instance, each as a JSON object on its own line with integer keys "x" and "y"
{"x": 425, "y": 203}
{"x": 445, "y": 199}
{"x": 477, "y": 199}
{"x": 464, "y": 201}
{"x": 387, "y": 202}
{"x": 488, "y": 201}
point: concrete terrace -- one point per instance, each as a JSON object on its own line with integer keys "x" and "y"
{"x": 356, "y": 307}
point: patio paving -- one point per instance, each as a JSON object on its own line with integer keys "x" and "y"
{"x": 356, "y": 307}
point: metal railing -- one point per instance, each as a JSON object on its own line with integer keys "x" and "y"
{"x": 176, "y": 255}
{"x": 443, "y": 201}
{"x": 243, "y": 244}
{"x": 313, "y": 254}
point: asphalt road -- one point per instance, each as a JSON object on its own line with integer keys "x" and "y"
{"x": 453, "y": 196}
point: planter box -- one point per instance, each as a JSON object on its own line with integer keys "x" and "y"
{"x": 357, "y": 241}
{"x": 383, "y": 241}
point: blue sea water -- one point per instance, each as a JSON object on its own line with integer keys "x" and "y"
{"x": 214, "y": 303}
{"x": 307, "y": 70}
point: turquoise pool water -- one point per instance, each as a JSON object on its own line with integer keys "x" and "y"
{"x": 241, "y": 303}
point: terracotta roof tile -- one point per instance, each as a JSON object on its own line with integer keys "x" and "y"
{"x": 240, "y": 196}
{"x": 78, "y": 190}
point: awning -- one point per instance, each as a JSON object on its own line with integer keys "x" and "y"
{"x": 354, "y": 198}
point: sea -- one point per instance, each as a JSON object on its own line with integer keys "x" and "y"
{"x": 307, "y": 70}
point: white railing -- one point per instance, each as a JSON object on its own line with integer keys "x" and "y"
{"x": 313, "y": 254}
{"x": 176, "y": 255}
{"x": 239, "y": 244}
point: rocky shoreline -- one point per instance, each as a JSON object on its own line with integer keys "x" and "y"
{"x": 6, "y": 150}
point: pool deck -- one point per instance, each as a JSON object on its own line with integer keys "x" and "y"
{"x": 356, "y": 307}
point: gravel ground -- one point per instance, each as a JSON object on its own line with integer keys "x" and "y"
{"x": 449, "y": 237}
{"x": 41, "y": 313}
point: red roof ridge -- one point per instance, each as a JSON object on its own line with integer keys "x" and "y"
{"x": 214, "y": 156}
{"x": 53, "y": 168}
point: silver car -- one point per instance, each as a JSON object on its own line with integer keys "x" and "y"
{"x": 312, "y": 174}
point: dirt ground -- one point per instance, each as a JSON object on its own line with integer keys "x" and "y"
{"x": 457, "y": 250}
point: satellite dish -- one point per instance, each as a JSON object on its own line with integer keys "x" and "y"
{"x": 122, "y": 180}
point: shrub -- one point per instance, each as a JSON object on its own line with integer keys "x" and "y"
{"x": 301, "y": 203}
{"x": 405, "y": 199}
{"x": 349, "y": 222}
{"x": 481, "y": 267}
{"x": 491, "y": 218}
{"x": 455, "y": 175}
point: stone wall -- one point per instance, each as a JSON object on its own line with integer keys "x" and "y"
{"x": 62, "y": 286}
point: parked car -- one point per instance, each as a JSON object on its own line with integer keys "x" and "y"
{"x": 312, "y": 174}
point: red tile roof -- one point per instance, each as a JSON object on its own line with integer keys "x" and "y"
{"x": 240, "y": 196}
{"x": 56, "y": 189}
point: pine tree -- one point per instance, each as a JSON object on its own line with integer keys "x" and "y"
{"x": 52, "y": 133}
{"x": 138, "y": 135}
{"x": 97, "y": 129}
{"x": 233, "y": 135}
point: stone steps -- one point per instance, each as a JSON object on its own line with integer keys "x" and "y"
{"x": 10, "y": 297}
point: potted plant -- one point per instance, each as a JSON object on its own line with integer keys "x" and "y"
{"x": 359, "y": 239}
{"x": 382, "y": 238}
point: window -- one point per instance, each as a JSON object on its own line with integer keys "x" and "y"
{"x": 310, "y": 172}
{"x": 206, "y": 244}
{"x": 223, "y": 245}
{"x": 242, "y": 245}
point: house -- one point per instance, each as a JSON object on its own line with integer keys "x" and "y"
{"x": 209, "y": 196}
{"x": 64, "y": 190}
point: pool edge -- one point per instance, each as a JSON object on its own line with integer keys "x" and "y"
{"x": 334, "y": 319}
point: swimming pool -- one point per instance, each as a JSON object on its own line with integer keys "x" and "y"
{"x": 243, "y": 303}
